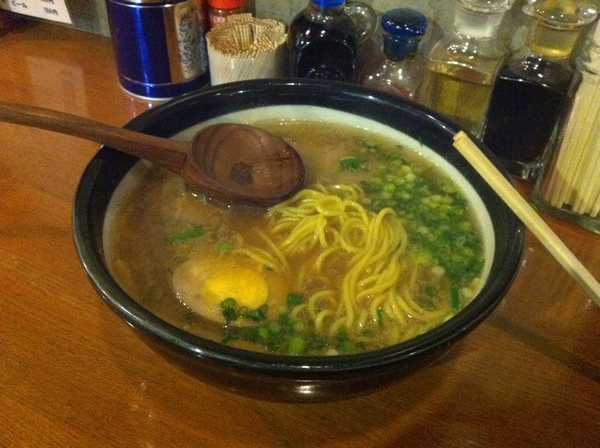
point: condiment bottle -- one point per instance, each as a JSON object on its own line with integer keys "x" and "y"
{"x": 219, "y": 10}
{"x": 461, "y": 67}
{"x": 531, "y": 88}
{"x": 323, "y": 39}
{"x": 569, "y": 184}
{"x": 398, "y": 70}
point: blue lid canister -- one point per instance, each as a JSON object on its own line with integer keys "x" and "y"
{"x": 159, "y": 47}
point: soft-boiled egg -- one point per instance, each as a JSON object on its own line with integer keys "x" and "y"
{"x": 202, "y": 283}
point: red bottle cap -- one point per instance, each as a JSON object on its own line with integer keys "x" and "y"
{"x": 226, "y": 4}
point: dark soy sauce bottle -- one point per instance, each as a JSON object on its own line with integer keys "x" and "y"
{"x": 531, "y": 89}
{"x": 523, "y": 112}
{"x": 323, "y": 40}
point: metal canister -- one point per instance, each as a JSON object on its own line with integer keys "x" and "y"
{"x": 159, "y": 47}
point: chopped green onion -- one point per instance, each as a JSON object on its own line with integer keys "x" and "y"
{"x": 192, "y": 232}
{"x": 296, "y": 345}
{"x": 258, "y": 314}
{"x": 430, "y": 290}
{"x": 228, "y": 308}
{"x": 294, "y": 299}
{"x": 223, "y": 246}
{"x": 226, "y": 338}
{"x": 228, "y": 303}
{"x": 263, "y": 333}
{"x": 350, "y": 163}
{"x": 298, "y": 326}
{"x": 454, "y": 300}
{"x": 274, "y": 326}
{"x": 343, "y": 343}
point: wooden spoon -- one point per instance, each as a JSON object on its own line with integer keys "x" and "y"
{"x": 230, "y": 163}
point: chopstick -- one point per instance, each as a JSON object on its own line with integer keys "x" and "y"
{"x": 527, "y": 215}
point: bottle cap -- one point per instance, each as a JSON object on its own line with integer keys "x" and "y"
{"x": 328, "y": 3}
{"x": 404, "y": 22}
{"x": 479, "y": 18}
{"x": 226, "y": 4}
{"x": 402, "y": 30}
{"x": 555, "y": 27}
{"x": 487, "y": 6}
{"x": 562, "y": 14}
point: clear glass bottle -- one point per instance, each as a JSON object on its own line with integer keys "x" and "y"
{"x": 532, "y": 87}
{"x": 323, "y": 39}
{"x": 398, "y": 70}
{"x": 569, "y": 184}
{"x": 461, "y": 68}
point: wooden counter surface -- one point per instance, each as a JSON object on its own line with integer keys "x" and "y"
{"x": 72, "y": 374}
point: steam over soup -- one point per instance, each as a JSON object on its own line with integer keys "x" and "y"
{"x": 379, "y": 247}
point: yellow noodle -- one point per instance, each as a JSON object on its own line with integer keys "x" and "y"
{"x": 320, "y": 261}
{"x": 401, "y": 317}
{"x": 327, "y": 294}
{"x": 394, "y": 307}
{"x": 260, "y": 256}
{"x": 398, "y": 301}
{"x": 320, "y": 320}
{"x": 362, "y": 318}
{"x": 353, "y": 234}
{"x": 298, "y": 309}
{"x": 416, "y": 310}
{"x": 386, "y": 280}
{"x": 336, "y": 326}
{"x": 320, "y": 227}
{"x": 274, "y": 248}
{"x": 302, "y": 276}
{"x": 302, "y": 233}
{"x": 332, "y": 228}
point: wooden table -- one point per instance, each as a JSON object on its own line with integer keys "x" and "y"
{"x": 72, "y": 374}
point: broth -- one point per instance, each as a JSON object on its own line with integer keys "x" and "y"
{"x": 379, "y": 248}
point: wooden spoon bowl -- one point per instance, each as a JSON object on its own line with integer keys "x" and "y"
{"x": 238, "y": 163}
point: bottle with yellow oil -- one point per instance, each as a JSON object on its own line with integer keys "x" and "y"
{"x": 462, "y": 67}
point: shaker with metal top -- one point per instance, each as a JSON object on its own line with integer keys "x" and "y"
{"x": 159, "y": 47}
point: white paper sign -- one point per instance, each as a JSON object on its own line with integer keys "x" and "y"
{"x": 54, "y": 10}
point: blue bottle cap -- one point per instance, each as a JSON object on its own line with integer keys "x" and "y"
{"x": 404, "y": 22}
{"x": 402, "y": 30}
{"x": 328, "y": 3}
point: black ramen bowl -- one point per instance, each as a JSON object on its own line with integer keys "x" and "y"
{"x": 280, "y": 377}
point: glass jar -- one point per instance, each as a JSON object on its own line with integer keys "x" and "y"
{"x": 461, "y": 67}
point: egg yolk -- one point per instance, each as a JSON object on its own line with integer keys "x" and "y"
{"x": 247, "y": 286}
{"x": 202, "y": 283}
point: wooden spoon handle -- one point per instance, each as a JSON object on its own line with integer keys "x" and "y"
{"x": 165, "y": 152}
